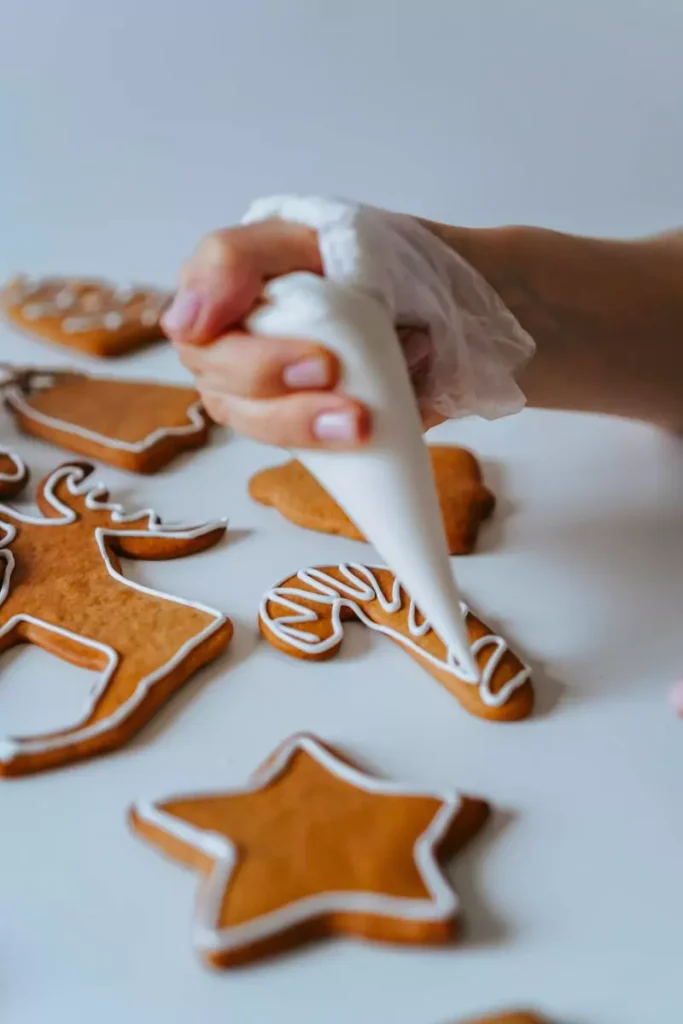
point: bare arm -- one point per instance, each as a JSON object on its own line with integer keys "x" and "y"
{"x": 607, "y": 316}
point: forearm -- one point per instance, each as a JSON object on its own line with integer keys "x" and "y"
{"x": 607, "y": 316}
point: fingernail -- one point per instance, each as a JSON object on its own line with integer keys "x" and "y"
{"x": 307, "y": 373}
{"x": 182, "y": 313}
{"x": 336, "y": 426}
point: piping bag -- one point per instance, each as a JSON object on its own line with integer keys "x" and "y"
{"x": 387, "y": 486}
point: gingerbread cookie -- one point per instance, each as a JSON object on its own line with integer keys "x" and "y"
{"x": 304, "y": 616}
{"x": 131, "y": 424}
{"x": 465, "y": 501}
{"x": 509, "y": 1018}
{"x": 13, "y": 474}
{"x": 85, "y": 314}
{"x": 312, "y": 846}
{"x": 62, "y": 589}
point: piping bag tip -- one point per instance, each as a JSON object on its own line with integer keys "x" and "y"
{"x": 457, "y": 643}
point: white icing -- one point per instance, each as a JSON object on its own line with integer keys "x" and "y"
{"x": 387, "y": 485}
{"x": 359, "y": 585}
{"x": 7, "y": 750}
{"x": 78, "y": 484}
{"x": 63, "y": 299}
{"x": 16, "y": 399}
{"x": 441, "y": 905}
{"x": 93, "y": 304}
{"x": 79, "y": 324}
{"x": 19, "y": 468}
{"x": 112, "y": 321}
{"x": 35, "y": 310}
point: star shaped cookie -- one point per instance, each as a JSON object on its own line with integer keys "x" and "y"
{"x": 312, "y": 846}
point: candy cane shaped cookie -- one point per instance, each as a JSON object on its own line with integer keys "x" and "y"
{"x": 304, "y": 616}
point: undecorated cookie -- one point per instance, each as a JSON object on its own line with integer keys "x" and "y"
{"x": 465, "y": 501}
{"x": 13, "y": 474}
{"x": 304, "y": 616}
{"x": 312, "y": 846}
{"x": 85, "y": 314}
{"x": 63, "y": 590}
{"x": 131, "y": 424}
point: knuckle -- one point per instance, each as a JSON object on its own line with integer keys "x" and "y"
{"x": 188, "y": 356}
{"x": 216, "y": 407}
{"x": 218, "y": 249}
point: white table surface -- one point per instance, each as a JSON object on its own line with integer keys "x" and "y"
{"x": 128, "y": 129}
{"x": 572, "y": 898}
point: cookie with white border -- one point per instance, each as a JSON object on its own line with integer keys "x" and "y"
{"x": 304, "y": 616}
{"x": 135, "y": 425}
{"x": 312, "y": 846}
{"x": 61, "y": 588}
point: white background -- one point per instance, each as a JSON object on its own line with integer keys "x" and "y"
{"x": 128, "y": 129}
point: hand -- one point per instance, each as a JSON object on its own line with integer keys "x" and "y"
{"x": 279, "y": 391}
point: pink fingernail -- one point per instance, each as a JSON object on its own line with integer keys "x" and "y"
{"x": 182, "y": 313}
{"x": 335, "y": 426}
{"x": 307, "y": 373}
{"x": 677, "y": 697}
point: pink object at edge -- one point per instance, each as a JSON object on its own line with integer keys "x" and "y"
{"x": 677, "y": 697}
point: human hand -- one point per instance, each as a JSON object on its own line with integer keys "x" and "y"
{"x": 281, "y": 391}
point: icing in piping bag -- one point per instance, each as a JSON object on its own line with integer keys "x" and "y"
{"x": 387, "y": 486}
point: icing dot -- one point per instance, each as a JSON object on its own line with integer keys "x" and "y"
{"x": 64, "y": 299}
{"x": 77, "y": 324}
{"x": 149, "y": 317}
{"x": 112, "y": 321}
{"x": 32, "y": 311}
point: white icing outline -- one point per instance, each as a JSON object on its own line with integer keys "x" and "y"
{"x": 442, "y": 904}
{"x": 15, "y": 398}
{"x": 77, "y": 482}
{"x": 20, "y": 471}
{"x": 336, "y": 594}
{"x": 68, "y": 297}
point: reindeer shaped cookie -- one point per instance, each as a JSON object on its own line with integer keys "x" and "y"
{"x": 62, "y": 589}
{"x": 13, "y": 474}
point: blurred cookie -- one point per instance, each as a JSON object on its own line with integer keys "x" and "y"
{"x": 465, "y": 501}
{"x": 131, "y": 424}
{"x": 85, "y": 314}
